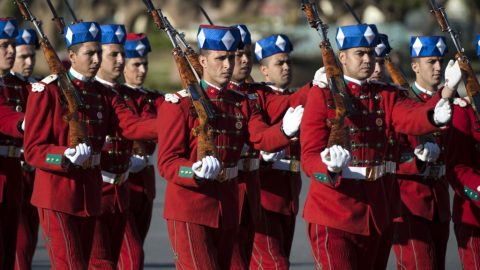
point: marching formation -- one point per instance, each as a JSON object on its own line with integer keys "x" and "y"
{"x": 76, "y": 148}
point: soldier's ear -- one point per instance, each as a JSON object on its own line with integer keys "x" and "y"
{"x": 415, "y": 67}
{"x": 342, "y": 57}
{"x": 203, "y": 60}
{"x": 72, "y": 56}
{"x": 264, "y": 70}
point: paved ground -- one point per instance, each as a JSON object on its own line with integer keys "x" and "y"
{"x": 158, "y": 252}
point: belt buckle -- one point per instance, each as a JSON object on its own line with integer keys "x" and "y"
{"x": 11, "y": 151}
{"x": 222, "y": 176}
{"x": 372, "y": 173}
{"x": 294, "y": 165}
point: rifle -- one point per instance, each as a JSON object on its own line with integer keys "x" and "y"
{"x": 75, "y": 19}
{"x": 77, "y": 129}
{"x": 203, "y": 107}
{"x": 341, "y": 99}
{"x": 58, "y": 21}
{"x": 471, "y": 83}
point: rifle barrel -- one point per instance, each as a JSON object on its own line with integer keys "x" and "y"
{"x": 352, "y": 12}
{"x": 75, "y": 19}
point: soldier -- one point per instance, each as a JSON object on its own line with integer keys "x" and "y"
{"x": 27, "y": 234}
{"x": 346, "y": 207}
{"x": 141, "y": 180}
{"x": 201, "y": 203}
{"x": 68, "y": 181}
{"x": 279, "y": 172}
{"x": 421, "y": 172}
{"x": 14, "y": 93}
{"x": 462, "y": 159}
{"x": 381, "y": 50}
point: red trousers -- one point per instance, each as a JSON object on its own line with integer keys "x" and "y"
{"x": 243, "y": 246}
{"x": 107, "y": 240}
{"x": 468, "y": 240}
{"x": 139, "y": 216}
{"x": 273, "y": 241}
{"x": 199, "y": 247}
{"x": 68, "y": 238}
{"x": 419, "y": 243}
{"x": 27, "y": 233}
{"x": 339, "y": 250}
{"x": 384, "y": 247}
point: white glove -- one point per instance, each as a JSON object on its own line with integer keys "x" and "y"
{"x": 453, "y": 75}
{"x": 292, "y": 119}
{"x": 207, "y": 168}
{"x": 428, "y": 152}
{"x": 23, "y": 125}
{"x": 137, "y": 163}
{"x": 271, "y": 157}
{"x": 79, "y": 154}
{"x": 442, "y": 113}
{"x": 320, "y": 78}
{"x": 172, "y": 98}
{"x": 336, "y": 158}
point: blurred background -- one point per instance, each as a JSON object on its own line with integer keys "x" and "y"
{"x": 398, "y": 19}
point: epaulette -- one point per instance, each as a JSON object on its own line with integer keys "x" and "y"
{"x": 40, "y": 86}
{"x": 461, "y": 102}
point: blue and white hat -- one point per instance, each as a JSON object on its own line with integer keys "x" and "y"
{"x": 426, "y": 46}
{"x": 82, "y": 32}
{"x": 383, "y": 47}
{"x": 137, "y": 45}
{"x": 272, "y": 45}
{"x": 113, "y": 33}
{"x": 478, "y": 44}
{"x": 218, "y": 38}
{"x": 359, "y": 35}
{"x": 245, "y": 35}
{"x": 27, "y": 37}
{"x": 8, "y": 28}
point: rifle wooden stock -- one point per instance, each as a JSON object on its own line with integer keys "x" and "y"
{"x": 157, "y": 19}
{"x": 397, "y": 77}
{"x": 77, "y": 129}
{"x": 338, "y": 132}
{"x": 471, "y": 83}
{"x": 205, "y": 137}
{"x": 59, "y": 24}
{"x": 440, "y": 19}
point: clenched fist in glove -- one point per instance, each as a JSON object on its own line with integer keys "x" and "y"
{"x": 453, "y": 75}
{"x": 207, "y": 168}
{"x": 291, "y": 120}
{"x": 336, "y": 158}
{"x": 271, "y": 157}
{"x": 79, "y": 154}
{"x": 320, "y": 78}
{"x": 442, "y": 113}
{"x": 428, "y": 152}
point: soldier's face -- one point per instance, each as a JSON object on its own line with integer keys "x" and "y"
{"x": 113, "y": 61}
{"x": 24, "y": 60}
{"x": 358, "y": 63}
{"x": 277, "y": 69}
{"x": 135, "y": 71}
{"x": 243, "y": 64}
{"x": 87, "y": 59}
{"x": 428, "y": 71}
{"x": 379, "y": 71}
{"x": 217, "y": 66}
{"x": 7, "y": 54}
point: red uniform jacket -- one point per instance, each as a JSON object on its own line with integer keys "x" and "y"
{"x": 145, "y": 103}
{"x": 463, "y": 165}
{"x": 350, "y": 205}
{"x": 208, "y": 203}
{"x": 14, "y": 95}
{"x": 280, "y": 190}
{"x": 421, "y": 195}
{"x": 66, "y": 188}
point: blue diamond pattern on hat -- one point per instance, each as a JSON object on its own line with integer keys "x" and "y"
{"x": 113, "y": 33}
{"x": 82, "y": 32}
{"x": 218, "y": 38}
{"x": 383, "y": 47}
{"x": 245, "y": 34}
{"x": 27, "y": 37}
{"x": 8, "y": 28}
{"x": 427, "y": 46}
{"x": 272, "y": 45}
{"x": 478, "y": 45}
{"x": 359, "y": 35}
{"x": 137, "y": 45}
